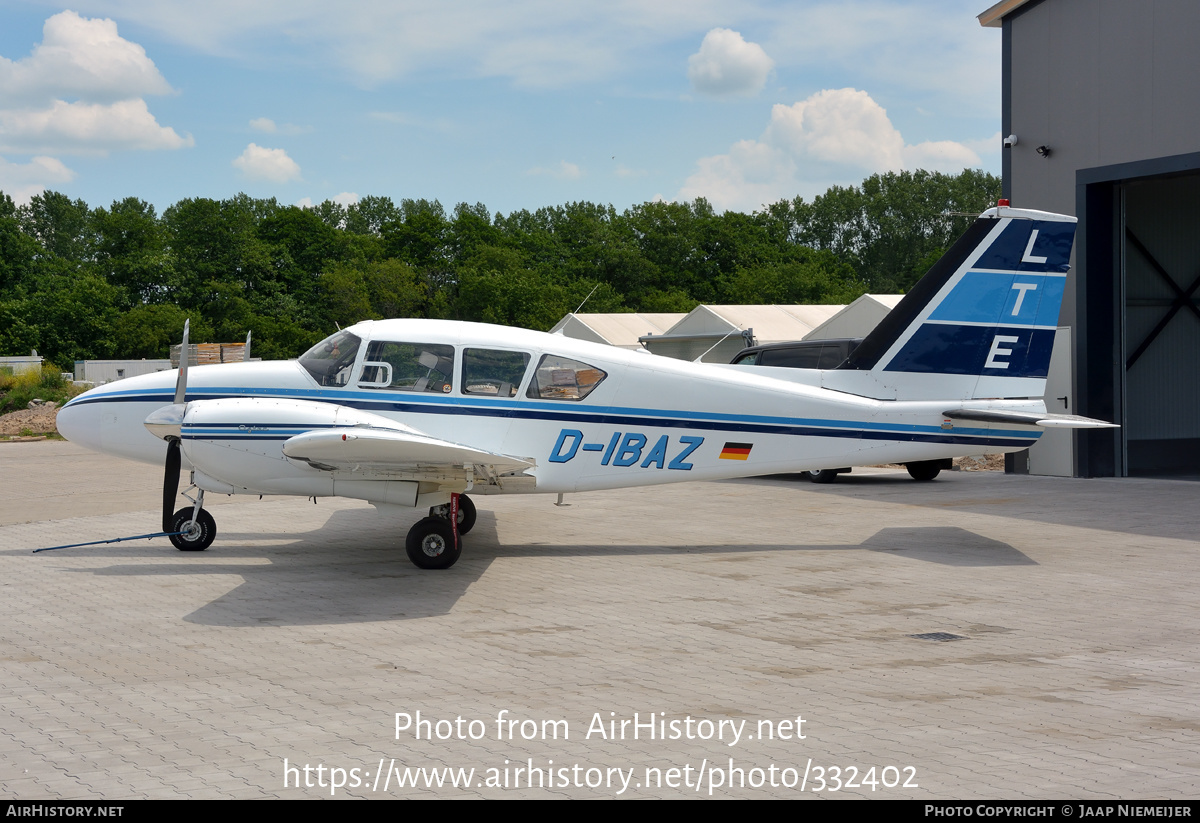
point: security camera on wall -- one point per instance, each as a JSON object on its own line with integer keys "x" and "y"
{"x": 1010, "y": 141}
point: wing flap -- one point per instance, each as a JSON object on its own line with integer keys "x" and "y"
{"x": 341, "y": 449}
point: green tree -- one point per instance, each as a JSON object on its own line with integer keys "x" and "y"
{"x": 150, "y": 330}
{"x": 17, "y": 250}
{"x": 61, "y": 225}
{"x": 131, "y": 251}
{"x": 370, "y": 214}
{"x": 892, "y": 223}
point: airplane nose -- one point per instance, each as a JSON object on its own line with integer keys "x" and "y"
{"x": 80, "y": 423}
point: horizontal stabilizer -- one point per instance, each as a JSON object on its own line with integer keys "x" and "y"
{"x": 346, "y": 448}
{"x": 1043, "y": 419}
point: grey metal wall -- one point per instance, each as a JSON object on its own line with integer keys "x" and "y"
{"x": 1100, "y": 82}
{"x": 1112, "y": 88}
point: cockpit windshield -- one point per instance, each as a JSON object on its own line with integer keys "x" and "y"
{"x": 330, "y": 361}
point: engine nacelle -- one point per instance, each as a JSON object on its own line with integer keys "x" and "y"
{"x": 236, "y": 447}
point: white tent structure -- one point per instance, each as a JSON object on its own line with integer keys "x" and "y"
{"x": 717, "y": 333}
{"x": 618, "y": 329}
{"x": 857, "y": 319}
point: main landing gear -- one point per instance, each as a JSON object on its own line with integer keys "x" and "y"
{"x": 435, "y": 542}
{"x": 466, "y": 513}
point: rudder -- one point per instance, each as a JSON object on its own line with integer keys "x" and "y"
{"x": 981, "y": 323}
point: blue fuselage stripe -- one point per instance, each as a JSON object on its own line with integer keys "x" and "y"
{"x": 655, "y": 418}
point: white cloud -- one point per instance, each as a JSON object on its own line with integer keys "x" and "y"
{"x": 346, "y": 198}
{"x": 987, "y": 145}
{"x": 940, "y": 155}
{"x": 80, "y": 92}
{"x": 83, "y": 59}
{"x": 543, "y": 43}
{"x": 727, "y": 65}
{"x": 274, "y": 165}
{"x": 266, "y": 124}
{"x": 21, "y": 181}
{"x": 745, "y": 178}
{"x": 86, "y": 128}
{"x": 562, "y": 171}
{"x": 838, "y": 126}
{"x": 874, "y": 44}
{"x": 836, "y": 136}
{"x": 535, "y": 43}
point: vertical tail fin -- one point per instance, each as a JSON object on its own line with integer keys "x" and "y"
{"x": 981, "y": 322}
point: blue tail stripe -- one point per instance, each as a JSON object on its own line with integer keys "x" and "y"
{"x": 993, "y": 350}
{"x": 1003, "y": 298}
{"x": 1011, "y": 250}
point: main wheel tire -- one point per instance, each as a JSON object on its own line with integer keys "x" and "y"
{"x": 924, "y": 470}
{"x": 466, "y": 513}
{"x": 431, "y": 545}
{"x": 823, "y": 475}
{"x": 197, "y": 535}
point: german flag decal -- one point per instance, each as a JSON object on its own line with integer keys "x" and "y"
{"x": 736, "y": 451}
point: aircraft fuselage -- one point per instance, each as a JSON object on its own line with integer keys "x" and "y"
{"x": 649, "y": 420}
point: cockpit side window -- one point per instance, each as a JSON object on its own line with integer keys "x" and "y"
{"x": 560, "y": 378}
{"x": 417, "y": 367}
{"x": 493, "y": 372}
{"x": 329, "y": 362}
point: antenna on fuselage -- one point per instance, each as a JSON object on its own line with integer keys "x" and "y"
{"x": 246, "y": 352}
{"x": 589, "y": 297}
{"x": 700, "y": 359}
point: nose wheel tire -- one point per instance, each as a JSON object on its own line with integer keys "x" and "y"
{"x": 466, "y": 513}
{"x": 197, "y": 535}
{"x": 431, "y": 544}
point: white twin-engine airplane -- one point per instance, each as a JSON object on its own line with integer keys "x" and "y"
{"x": 415, "y": 413}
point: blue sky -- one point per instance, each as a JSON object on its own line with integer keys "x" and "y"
{"x": 515, "y": 105}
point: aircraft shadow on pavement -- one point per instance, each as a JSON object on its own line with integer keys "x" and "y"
{"x": 353, "y": 569}
{"x": 1162, "y": 507}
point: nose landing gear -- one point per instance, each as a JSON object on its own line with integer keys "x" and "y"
{"x": 195, "y": 525}
{"x": 196, "y": 532}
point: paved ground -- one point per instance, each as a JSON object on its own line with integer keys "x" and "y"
{"x": 134, "y": 670}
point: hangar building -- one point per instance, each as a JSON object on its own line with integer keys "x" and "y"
{"x": 1103, "y": 98}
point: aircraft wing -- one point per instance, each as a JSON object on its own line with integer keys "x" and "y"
{"x": 1028, "y": 418}
{"x": 393, "y": 451}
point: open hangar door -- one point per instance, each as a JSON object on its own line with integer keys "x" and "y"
{"x": 1159, "y": 247}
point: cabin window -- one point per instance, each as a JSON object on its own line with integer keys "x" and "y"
{"x": 492, "y": 372}
{"x": 416, "y": 367}
{"x": 330, "y": 360}
{"x": 559, "y": 378}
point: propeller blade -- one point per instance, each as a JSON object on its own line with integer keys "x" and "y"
{"x": 184, "y": 357}
{"x": 246, "y": 354}
{"x": 170, "y": 483}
